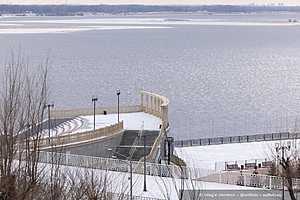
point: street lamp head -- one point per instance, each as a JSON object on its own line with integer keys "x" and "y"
{"x": 94, "y": 99}
{"x": 50, "y": 105}
{"x": 118, "y": 92}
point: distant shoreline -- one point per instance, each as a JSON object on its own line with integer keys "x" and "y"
{"x": 83, "y": 10}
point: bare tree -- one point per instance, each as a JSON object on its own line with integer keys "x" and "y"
{"x": 22, "y": 100}
{"x": 286, "y": 164}
{"x": 23, "y": 96}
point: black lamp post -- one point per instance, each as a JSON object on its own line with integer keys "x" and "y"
{"x": 94, "y": 99}
{"x": 128, "y": 161}
{"x": 49, "y": 106}
{"x": 170, "y": 142}
{"x": 282, "y": 148}
{"x": 118, "y": 94}
{"x": 145, "y": 169}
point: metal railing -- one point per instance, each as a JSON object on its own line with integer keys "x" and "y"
{"x": 242, "y": 178}
{"x": 117, "y": 196}
{"x": 237, "y": 139}
{"x": 250, "y": 180}
{"x": 152, "y": 169}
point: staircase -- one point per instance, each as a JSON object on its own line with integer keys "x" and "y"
{"x": 132, "y": 145}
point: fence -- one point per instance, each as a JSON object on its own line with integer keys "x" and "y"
{"x": 237, "y": 139}
{"x": 116, "y": 196}
{"x": 247, "y": 164}
{"x": 152, "y": 169}
{"x": 249, "y": 180}
{"x": 241, "y": 178}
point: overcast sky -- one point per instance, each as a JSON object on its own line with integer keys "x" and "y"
{"x": 158, "y": 2}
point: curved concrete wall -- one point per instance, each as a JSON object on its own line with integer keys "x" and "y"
{"x": 157, "y": 105}
{"x": 82, "y": 137}
{"x": 70, "y": 113}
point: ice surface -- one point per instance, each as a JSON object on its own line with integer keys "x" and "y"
{"x": 70, "y": 30}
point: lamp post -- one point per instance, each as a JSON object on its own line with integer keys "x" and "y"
{"x": 94, "y": 99}
{"x": 49, "y": 106}
{"x": 170, "y": 141}
{"x": 118, "y": 95}
{"x": 128, "y": 162}
{"x": 145, "y": 157}
{"x": 282, "y": 148}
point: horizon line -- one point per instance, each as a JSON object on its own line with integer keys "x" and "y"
{"x": 180, "y": 5}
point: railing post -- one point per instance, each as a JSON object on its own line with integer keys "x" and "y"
{"x": 47, "y": 154}
{"x": 151, "y": 104}
{"x": 67, "y": 157}
{"x": 142, "y": 101}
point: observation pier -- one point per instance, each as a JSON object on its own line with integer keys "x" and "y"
{"x": 92, "y": 132}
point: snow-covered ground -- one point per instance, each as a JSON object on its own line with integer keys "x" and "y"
{"x": 157, "y": 187}
{"x": 132, "y": 121}
{"x": 212, "y": 155}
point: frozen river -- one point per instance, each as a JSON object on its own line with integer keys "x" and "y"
{"x": 223, "y": 74}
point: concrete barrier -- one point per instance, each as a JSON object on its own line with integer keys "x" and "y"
{"x": 81, "y": 137}
{"x": 156, "y": 105}
{"x": 70, "y": 113}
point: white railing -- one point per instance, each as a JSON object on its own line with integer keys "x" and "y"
{"x": 235, "y": 165}
{"x": 152, "y": 169}
{"x": 116, "y": 196}
{"x": 241, "y": 178}
{"x": 249, "y": 180}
